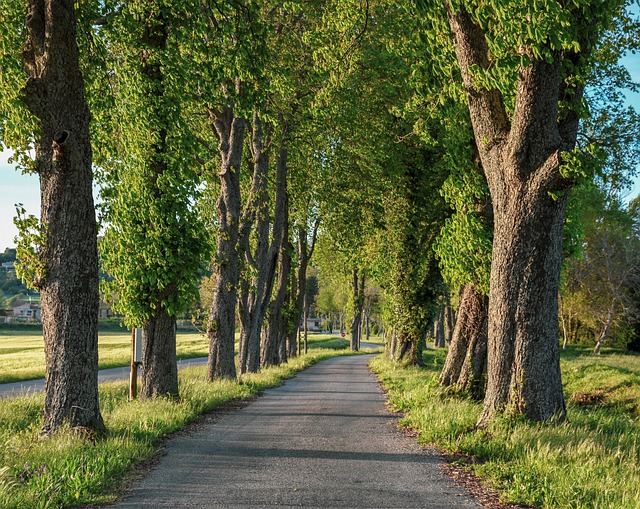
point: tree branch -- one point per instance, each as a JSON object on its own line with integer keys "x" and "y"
{"x": 488, "y": 114}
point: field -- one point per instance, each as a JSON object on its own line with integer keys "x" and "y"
{"x": 22, "y": 352}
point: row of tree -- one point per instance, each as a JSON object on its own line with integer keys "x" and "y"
{"x": 423, "y": 147}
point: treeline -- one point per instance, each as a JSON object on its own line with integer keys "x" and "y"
{"x": 429, "y": 149}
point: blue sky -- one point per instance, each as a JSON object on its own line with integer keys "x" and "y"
{"x": 18, "y": 188}
{"x": 15, "y": 188}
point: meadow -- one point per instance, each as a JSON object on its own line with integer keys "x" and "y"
{"x": 22, "y": 351}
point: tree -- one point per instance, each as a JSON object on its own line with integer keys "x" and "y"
{"x": 154, "y": 247}
{"x": 523, "y": 73}
{"x": 54, "y": 119}
{"x": 599, "y": 283}
{"x": 415, "y": 215}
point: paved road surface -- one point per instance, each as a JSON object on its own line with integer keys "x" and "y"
{"x": 322, "y": 440}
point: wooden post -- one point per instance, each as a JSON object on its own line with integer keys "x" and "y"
{"x": 133, "y": 377}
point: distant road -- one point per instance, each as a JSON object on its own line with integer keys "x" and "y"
{"x": 14, "y": 389}
{"x": 104, "y": 375}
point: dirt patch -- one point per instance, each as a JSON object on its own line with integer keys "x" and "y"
{"x": 463, "y": 475}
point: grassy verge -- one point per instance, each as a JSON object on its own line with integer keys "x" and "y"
{"x": 590, "y": 461}
{"x": 69, "y": 469}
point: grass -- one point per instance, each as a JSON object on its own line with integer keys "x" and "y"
{"x": 22, "y": 352}
{"x": 71, "y": 469}
{"x": 590, "y": 461}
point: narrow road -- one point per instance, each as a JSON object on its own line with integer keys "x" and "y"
{"x": 322, "y": 440}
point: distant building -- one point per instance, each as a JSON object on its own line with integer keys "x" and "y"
{"x": 8, "y": 265}
{"x": 313, "y": 324}
{"x": 28, "y": 313}
{"x": 105, "y": 310}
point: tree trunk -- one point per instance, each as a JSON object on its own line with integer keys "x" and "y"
{"x": 221, "y": 324}
{"x": 473, "y": 374}
{"x": 524, "y": 358}
{"x": 277, "y": 326}
{"x": 301, "y": 282}
{"x": 54, "y": 93}
{"x": 604, "y": 334}
{"x": 565, "y": 332}
{"x": 448, "y": 315}
{"x": 438, "y": 328}
{"x": 159, "y": 368}
{"x": 410, "y": 347}
{"x": 466, "y": 363}
{"x": 253, "y": 289}
{"x": 358, "y": 303}
{"x": 469, "y": 334}
{"x": 305, "y": 326}
{"x": 521, "y": 157}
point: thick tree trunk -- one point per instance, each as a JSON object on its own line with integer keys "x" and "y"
{"x": 54, "y": 93}
{"x": 473, "y": 374}
{"x": 222, "y": 317}
{"x": 524, "y": 358}
{"x": 274, "y": 351}
{"x": 254, "y": 288}
{"x": 466, "y": 363}
{"x": 159, "y": 368}
{"x": 521, "y": 156}
{"x": 410, "y": 347}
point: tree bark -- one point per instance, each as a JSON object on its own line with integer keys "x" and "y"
{"x": 273, "y": 352}
{"x": 299, "y": 290}
{"x": 438, "y": 328}
{"x": 159, "y": 367}
{"x": 449, "y": 322}
{"x": 521, "y": 159}
{"x": 54, "y": 93}
{"x": 221, "y": 324}
{"x": 466, "y": 361}
{"x": 254, "y": 288}
{"x": 357, "y": 288}
{"x": 276, "y": 334}
{"x": 473, "y": 375}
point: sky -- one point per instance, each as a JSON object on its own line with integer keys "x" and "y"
{"x": 17, "y": 188}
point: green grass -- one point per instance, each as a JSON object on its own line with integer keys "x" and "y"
{"x": 590, "y": 461}
{"x": 70, "y": 469}
{"x": 22, "y": 352}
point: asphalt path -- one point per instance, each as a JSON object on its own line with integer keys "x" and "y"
{"x": 322, "y": 440}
